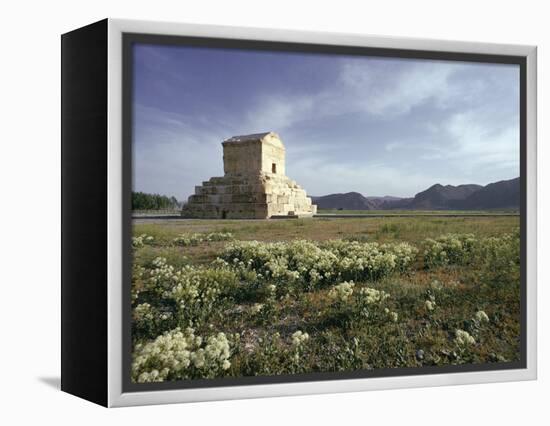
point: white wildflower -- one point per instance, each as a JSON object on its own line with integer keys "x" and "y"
{"x": 463, "y": 338}
{"x": 430, "y": 306}
{"x": 341, "y": 292}
{"x": 482, "y": 317}
{"x": 371, "y": 295}
{"x": 256, "y": 308}
{"x": 299, "y": 337}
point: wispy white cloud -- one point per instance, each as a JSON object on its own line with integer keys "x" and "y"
{"x": 278, "y": 112}
{"x": 174, "y": 152}
{"x": 479, "y": 145}
{"x": 382, "y": 88}
{"x": 392, "y": 146}
{"x": 409, "y": 86}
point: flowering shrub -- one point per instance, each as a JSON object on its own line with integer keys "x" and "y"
{"x": 266, "y": 311}
{"x": 137, "y": 276}
{"x": 463, "y": 338}
{"x": 394, "y": 316}
{"x": 256, "y": 308}
{"x": 481, "y": 317}
{"x": 298, "y": 340}
{"x": 341, "y": 292}
{"x": 148, "y": 320}
{"x": 308, "y": 264}
{"x": 142, "y": 240}
{"x": 370, "y": 261}
{"x": 404, "y": 253}
{"x": 194, "y": 293}
{"x": 449, "y": 249}
{"x": 292, "y": 263}
{"x": 500, "y": 258}
{"x": 299, "y": 337}
{"x": 275, "y": 355}
{"x": 352, "y": 307}
{"x": 195, "y": 239}
{"x": 178, "y": 354}
{"x": 371, "y": 296}
{"x": 370, "y": 305}
{"x": 142, "y": 312}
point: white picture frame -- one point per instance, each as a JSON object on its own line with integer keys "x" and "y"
{"x": 115, "y": 394}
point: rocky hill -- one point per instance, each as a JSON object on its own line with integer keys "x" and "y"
{"x": 439, "y": 197}
{"x": 347, "y": 201}
{"x": 499, "y": 195}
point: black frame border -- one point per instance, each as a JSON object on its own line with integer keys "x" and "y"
{"x": 84, "y": 234}
{"x": 129, "y": 39}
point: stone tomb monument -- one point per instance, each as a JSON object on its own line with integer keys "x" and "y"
{"x": 254, "y": 185}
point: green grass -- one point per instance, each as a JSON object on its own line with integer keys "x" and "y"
{"x": 345, "y": 335}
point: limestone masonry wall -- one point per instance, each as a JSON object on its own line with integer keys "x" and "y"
{"x": 254, "y": 185}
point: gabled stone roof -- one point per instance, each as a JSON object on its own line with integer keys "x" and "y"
{"x": 251, "y": 137}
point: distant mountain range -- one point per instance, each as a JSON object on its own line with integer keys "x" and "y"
{"x": 499, "y": 195}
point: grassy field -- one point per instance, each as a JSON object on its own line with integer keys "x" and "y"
{"x": 418, "y": 212}
{"x": 215, "y": 298}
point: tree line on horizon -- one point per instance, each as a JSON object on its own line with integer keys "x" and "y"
{"x": 144, "y": 201}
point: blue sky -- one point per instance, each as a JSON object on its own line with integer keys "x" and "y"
{"x": 377, "y": 126}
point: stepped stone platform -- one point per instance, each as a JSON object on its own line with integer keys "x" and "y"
{"x": 254, "y": 185}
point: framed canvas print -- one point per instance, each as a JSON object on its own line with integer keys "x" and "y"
{"x": 252, "y": 212}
